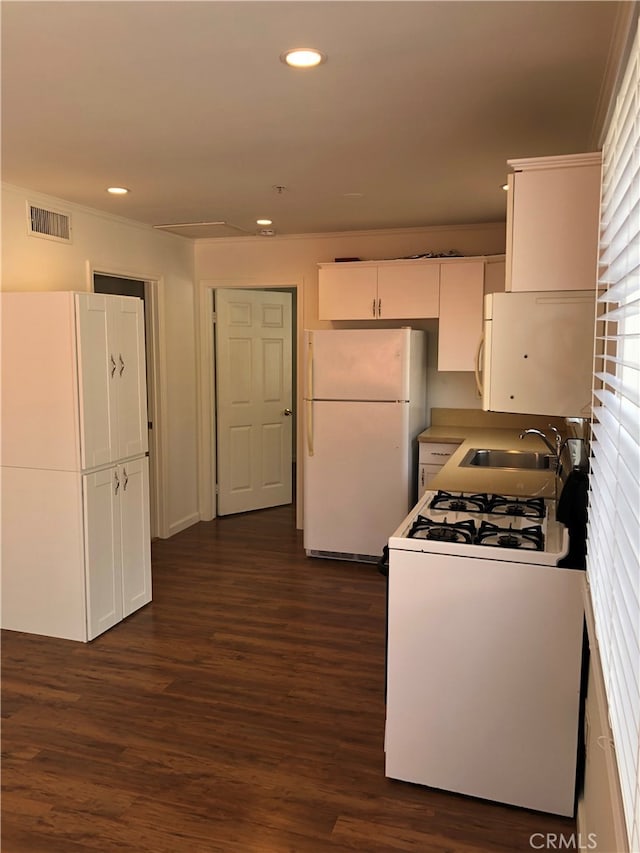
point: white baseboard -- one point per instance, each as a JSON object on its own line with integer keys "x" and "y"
{"x": 182, "y": 524}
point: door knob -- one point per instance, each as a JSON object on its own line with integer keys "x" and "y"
{"x": 287, "y": 413}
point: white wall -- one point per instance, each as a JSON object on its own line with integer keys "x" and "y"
{"x": 114, "y": 245}
{"x": 292, "y": 261}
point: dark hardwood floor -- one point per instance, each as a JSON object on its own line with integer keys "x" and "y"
{"x": 241, "y": 712}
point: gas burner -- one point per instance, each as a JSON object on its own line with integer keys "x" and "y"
{"x": 443, "y": 531}
{"x": 459, "y": 503}
{"x": 508, "y": 540}
{"x": 528, "y": 538}
{"x": 523, "y": 507}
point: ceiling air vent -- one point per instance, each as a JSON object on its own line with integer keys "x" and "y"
{"x": 52, "y": 224}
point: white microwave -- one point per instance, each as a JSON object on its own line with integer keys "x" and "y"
{"x": 537, "y": 353}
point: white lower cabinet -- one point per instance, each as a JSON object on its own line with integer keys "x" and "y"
{"x": 431, "y": 457}
{"x": 76, "y": 552}
{"x": 118, "y": 561}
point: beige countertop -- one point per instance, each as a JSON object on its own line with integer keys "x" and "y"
{"x": 503, "y": 481}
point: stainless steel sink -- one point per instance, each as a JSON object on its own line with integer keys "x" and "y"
{"x": 506, "y": 459}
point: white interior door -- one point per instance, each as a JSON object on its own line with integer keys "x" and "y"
{"x": 254, "y": 399}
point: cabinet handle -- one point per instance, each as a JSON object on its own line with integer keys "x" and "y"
{"x": 125, "y": 478}
{"x": 117, "y": 480}
{"x": 121, "y": 364}
{"x": 379, "y": 307}
{"x": 373, "y": 307}
{"x": 113, "y": 365}
{"x": 422, "y": 477}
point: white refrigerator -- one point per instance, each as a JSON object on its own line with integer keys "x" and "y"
{"x": 365, "y": 404}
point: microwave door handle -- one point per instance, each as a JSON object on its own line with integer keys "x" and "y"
{"x": 477, "y": 370}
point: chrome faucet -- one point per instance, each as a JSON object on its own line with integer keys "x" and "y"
{"x": 555, "y": 451}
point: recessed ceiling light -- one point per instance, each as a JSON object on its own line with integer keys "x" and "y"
{"x": 264, "y": 222}
{"x": 303, "y": 57}
{"x": 117, "y": 190}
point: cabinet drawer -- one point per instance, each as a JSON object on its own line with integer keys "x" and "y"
{"x": 436, "y": 453}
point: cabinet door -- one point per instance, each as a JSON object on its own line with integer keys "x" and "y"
{"x": 135, "y": 554}
{"x": 426, "y": 473}
{"x": 97, "y": 375}
{"x": 408, "y": 291}
{"x": 101, "y": 492}
{"x": 347, "y": 292}
{"x": 131, "y": 383}
{"x": 460, "y": 326}
{"x": 554, "y": 228}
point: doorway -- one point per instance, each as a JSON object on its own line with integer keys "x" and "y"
{"x": 207, "y": 413}
{"x": 143, "y": 290}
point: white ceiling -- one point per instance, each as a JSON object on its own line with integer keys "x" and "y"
{"x": 418, "y": 107}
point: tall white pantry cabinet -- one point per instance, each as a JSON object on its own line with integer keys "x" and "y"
{"x": 76, "y": 551}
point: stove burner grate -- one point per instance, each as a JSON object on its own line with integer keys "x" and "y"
{"x": 489, "y": 504}
{"x": 524, "y": 507}
{"x": 458, "y": 502}
{"x": 443, "y": 531}
{"x": 528, "y": 538}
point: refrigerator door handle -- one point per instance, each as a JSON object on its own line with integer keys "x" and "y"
{"x": 310, "y": 395}
{"x": 310, "y": 427}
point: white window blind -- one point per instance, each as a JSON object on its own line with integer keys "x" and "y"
{"x": 613, "y": 539}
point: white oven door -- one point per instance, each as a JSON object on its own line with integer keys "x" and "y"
{"x": 483, "y": 678}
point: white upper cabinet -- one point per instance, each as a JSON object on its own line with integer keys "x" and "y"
{"x": 348, "y": 291}
{"x": 552, "y": 223}
{"x": 451, "y": 289}
{"x": 113, "y": 410}
{"x": 408, "y": 290}
{"x": 461, "y": 304}
{"x": 40, "y": 426}
{"x": 73, "y": 380}
{"x": 383, "y": 290}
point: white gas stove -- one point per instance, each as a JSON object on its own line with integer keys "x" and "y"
{"x": 484, "y": 639}
{"x": 486, "y": 526}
